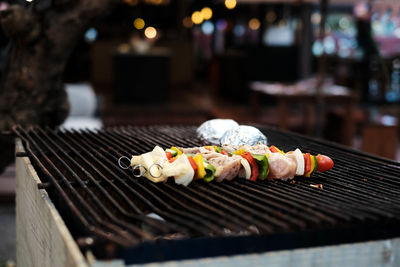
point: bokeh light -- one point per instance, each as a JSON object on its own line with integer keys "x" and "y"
{"x": 197, "y": 17}
{"x": 91, "y": 35}
{"x": 316, "y": 18}
{"x": 254, "y": 24}
{"x": 132, "y": 2}
{"x": 239, "y": 30}
{"x": 230, "y": 4}
{"x": 187, "y": 22}
{"x": 221, "y": 24}
{"x": 270, "y": 17}
{"x": 150, "y": 32}
{"x": 207, "y": 13}
{"x": 139, "y": 23}
{"x": 207, "y": 27}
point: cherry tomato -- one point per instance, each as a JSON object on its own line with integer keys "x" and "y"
{"x": 325, "y": 163}
{"x": 193, "y": 163}
{"x": 307, "y": 163}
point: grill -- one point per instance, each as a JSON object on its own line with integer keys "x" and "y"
{"x": 114, "y": 214}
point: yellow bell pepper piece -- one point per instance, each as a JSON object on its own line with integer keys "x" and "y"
{"x": 312, "y": 159}
{"x": 178, "y": 151}
{"x": 201, "y": 172}
{"x": 239, "y": 151}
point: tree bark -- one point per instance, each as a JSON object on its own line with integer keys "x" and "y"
{"x": 42, "y": 40}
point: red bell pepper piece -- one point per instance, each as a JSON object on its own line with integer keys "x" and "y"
{"x": 273, "y": 149}
{"x": 193, "y": 163}
{"x": 253, "y": 165}
{"x": 169, "y": 155}
{"x": 223, "y": 152}
{"x": 307, "y": 163}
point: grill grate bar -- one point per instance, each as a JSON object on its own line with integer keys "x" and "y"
{"x": 104, "y": 233}
{"x": 138, "y": 214}
{"x": 226, "y": 221}
{"x": 178, "y": 217}
{"x": 239, "y": 202}
{"x": 305, "y": 210}
{"x": 119, "y": 224}
{"x": 81, "y": 166}
{"x": 303, "y": 198}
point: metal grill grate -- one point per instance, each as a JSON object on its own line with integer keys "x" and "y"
{"x": 114, "y": 213}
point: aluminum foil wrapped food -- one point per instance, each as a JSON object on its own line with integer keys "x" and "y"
{"x": 212, "y": 130}
{"x": 243, "y": 135}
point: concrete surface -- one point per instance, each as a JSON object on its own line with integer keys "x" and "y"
{"x": 7, "y": 233}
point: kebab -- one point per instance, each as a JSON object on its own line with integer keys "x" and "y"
{"x": 258, "y": 162}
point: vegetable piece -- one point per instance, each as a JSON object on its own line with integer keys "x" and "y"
{"x": 312, "y": 168}
{"x": 253, "y": 165}
{"x": 307, "y": 163}
{"x": 211, "y": 148}
{"x": 300, "y": 162}
{"x": 267, "y": 155}
{"x": 158, "y": 155}
{"x": 262, "y": 163}
{"x": 178, "y": 151}
{"x": 147, "y": 161}
{"x": 218, "y": 149}
{"x": 246, "y": 167}
{"x": 315, "y": 164}
{"x": 325, "y": 163}
{"x": 223, "y": 152}
{"x": 274, "y": 149}
{"x": 210, "y": 172}
{"x": 239, "y": 151}
{"x": 180, "y": 169}
{"x": 169, "y": 155}
{"x": 201, "y": 172}
{"x": 193, "y": 163}
{"x": 173, "y": 152}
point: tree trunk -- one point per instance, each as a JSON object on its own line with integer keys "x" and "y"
{"x": 42, "y": 40}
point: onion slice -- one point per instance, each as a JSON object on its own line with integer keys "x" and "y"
{"x": 246, "y": 167}
{"x": 300, "y": 162}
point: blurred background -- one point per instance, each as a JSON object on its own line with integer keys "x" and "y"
{"x": 325, "y": 68}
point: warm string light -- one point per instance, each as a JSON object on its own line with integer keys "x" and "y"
{"x": 139, "y": 23}
{"x": 197, "y": 17}
{"x": 254, "y": 24}
{"x": 230, "y": 4}
{"x": 207, "y": 13}
{"x": 150, "y": 32}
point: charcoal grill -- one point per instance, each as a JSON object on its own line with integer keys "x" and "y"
{"x": 113, "y": 215}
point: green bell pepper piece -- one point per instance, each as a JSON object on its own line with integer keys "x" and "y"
{"x": 262, "y": 162}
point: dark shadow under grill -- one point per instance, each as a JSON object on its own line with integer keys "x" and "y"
{"x": 115, "y": 214}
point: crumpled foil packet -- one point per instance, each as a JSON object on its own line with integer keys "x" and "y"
{"x": 212, "y": 130}
{"x": 243, "y": 135}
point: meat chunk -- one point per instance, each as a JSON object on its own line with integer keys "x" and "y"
{"x": 257, "y": 149}
{"x": 229, "y": 167}
{"x": 281, "y": 167}
{"x": 207, "y": 154}
{"x": 192, "y": 150}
